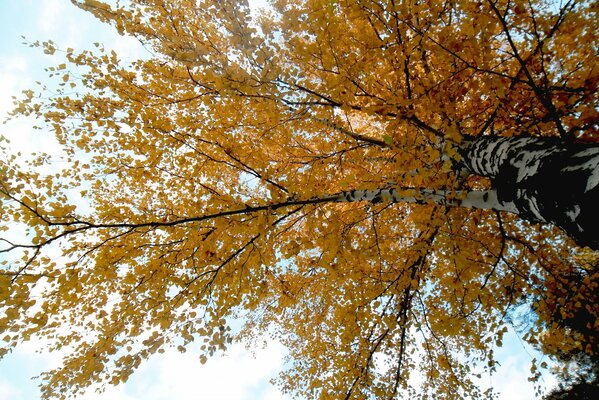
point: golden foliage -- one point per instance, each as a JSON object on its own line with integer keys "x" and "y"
{"x": 194, "y": 178}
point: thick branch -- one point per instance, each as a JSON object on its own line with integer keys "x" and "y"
{"x": 487, "y": 199}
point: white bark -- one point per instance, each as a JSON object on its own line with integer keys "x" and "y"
{"x": 480, "y": 199}
{"x": 546, "y": 179}
{"x": 540, "y": 179}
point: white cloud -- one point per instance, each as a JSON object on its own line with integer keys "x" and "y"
{"x": 13, "y": 79}
{"x": 511, "y": 378}
{"x": 49, "y": 16}
{"x": 9, "y": 391}
{"x": 236, "y": 375}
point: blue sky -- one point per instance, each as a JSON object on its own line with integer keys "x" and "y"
{"x": 240, "y": 374}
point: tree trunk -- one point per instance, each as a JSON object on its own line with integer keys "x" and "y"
{"x": 481, "y": 199}
{"x": 546, "y": 179}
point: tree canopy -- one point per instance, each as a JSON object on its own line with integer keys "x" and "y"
{"x": 315, "y": 171}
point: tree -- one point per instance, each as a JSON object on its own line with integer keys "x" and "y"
{"x": 378, "y": 184}
{"x": 579, "y": 370}
{"x": 583, "y": 386}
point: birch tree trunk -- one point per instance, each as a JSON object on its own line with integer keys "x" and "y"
{"x": 545, "y": 179}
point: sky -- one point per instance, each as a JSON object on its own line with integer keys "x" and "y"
{"x": 240, "y": 374}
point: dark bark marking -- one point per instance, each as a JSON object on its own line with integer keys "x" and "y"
{"x": 546, "y": 178}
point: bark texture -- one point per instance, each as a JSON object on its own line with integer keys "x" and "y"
{"x": 546, "y": 179}
{"x": 481, "y": 199}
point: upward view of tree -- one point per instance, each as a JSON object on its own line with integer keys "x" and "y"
{"x": 380, "y": 185}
